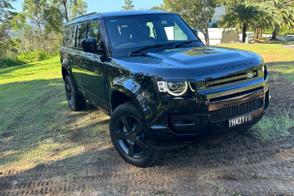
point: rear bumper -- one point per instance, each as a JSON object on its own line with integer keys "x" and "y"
{"x": 179, "y": 124}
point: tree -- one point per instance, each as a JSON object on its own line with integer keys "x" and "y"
{"x": 260, "y": 14}
{"x": 230, "y": 3}
{"x": 128, "y": 5}
{"x": 282, "y": 13}
{"x": 5, "y": 10}
{"x": 70, "y": 8}
{"x": 241, "y": 15}
{"x": 164, "y": 6}
{"x": 77, "y": 8}
{"x": 40, "y": 25}
{"x": 197, "y": 13}
{"x": 6, "y": 13}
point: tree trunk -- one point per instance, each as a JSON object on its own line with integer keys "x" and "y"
{"x": 65, "y": 10}
{"x": 258, "y": 33}
{"x": 244, "y": 30}
{"x": 274, "y": 34}
{"x": 206, "y": 36}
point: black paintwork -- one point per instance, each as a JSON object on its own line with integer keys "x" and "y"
{"x": 104, "y": 79}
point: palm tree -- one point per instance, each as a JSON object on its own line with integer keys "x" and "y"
{"x": 282, "y": 12}
{"x": 242, "y": 15}
{"x": 265, "y": 19}
{"x": 128, "y": 5}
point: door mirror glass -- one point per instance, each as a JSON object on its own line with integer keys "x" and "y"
{"x": 89, "y": 45}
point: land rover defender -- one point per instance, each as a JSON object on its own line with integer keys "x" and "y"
{"x": 157, "y": 80}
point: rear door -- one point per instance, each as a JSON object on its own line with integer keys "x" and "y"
{"x": 77, "y": 53}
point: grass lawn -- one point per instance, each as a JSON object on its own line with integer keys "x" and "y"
{"x": 36, "y": 127}
{"x": 272, "y": 53}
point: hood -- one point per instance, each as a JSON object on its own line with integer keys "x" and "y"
{"x": 191, "y": 63}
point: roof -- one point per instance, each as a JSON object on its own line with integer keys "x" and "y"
{"x": 95, "y": 15}
{"x": 131, "y": 13}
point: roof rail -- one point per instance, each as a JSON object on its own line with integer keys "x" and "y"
{"x": 89, "y": 14}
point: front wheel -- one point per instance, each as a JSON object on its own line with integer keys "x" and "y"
{"x": 128, "y": 135}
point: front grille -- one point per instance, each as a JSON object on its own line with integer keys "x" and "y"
{"x": 236, "y": 110}
{"x": 231, "y": 79}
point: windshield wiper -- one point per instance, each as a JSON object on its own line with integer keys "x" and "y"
{"x": 146, "y": 49}
{"x": 178, "y": 45}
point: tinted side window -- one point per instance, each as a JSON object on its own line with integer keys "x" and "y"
{"x": 81, "y": 34}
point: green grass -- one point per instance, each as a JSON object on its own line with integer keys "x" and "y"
{"x": 283, "y": 70}
{"x": 271, "y": 127}
{"x": 272, "y": 53}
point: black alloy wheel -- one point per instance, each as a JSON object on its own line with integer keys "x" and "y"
{"x": 128, "y": 135}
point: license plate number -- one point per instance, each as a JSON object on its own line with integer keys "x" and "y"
{"x": 240, "y": 120}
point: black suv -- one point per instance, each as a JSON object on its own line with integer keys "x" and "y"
{"x": 157, "y": 80}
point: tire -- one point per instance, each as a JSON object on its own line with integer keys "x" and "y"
{"x": 128, "y": 135}
{"x": 75, "y": 99}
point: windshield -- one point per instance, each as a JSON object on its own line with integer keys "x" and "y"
{"x": 130, "y": 33}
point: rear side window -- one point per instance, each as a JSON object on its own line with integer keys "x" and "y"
{"x": 81, "y": 34}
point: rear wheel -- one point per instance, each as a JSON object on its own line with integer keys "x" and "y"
{"x": 75, "y": 99}
{"x": 128, "y": 135}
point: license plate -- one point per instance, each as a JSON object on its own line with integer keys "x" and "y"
{"x": 240, "y": 120}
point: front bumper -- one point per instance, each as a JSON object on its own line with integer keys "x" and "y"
{"x": 183, "y": 120}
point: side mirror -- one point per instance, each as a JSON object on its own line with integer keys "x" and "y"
{"x": 89, "y": 45}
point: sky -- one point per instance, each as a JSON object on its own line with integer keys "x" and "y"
{"x": 107, "y": 5}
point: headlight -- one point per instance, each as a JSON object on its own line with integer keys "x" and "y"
{"x": 172, "y": 88}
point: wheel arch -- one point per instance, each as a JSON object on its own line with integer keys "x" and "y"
{"x": 120, "y": 95}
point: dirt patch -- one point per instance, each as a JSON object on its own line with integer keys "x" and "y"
{"x": 233, "y": 163}
{"x": 289, "y": 46}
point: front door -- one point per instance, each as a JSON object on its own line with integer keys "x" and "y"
{"x": 90, "y": 71}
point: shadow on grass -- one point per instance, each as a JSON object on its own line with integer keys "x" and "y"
{"x": 10, "y": 62}
{"x": 34, "y": 115}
